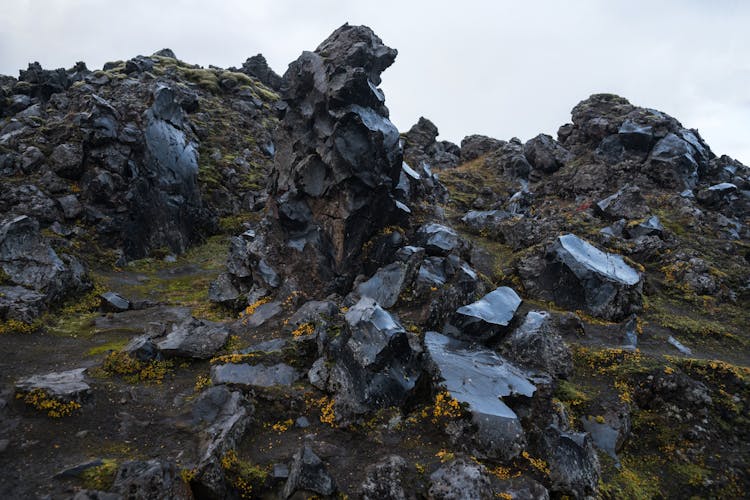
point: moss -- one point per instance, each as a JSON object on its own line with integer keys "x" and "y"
{"x": 246, "y": 477}
{"x": 112, "y": 345}
{"x": 134, "y": 371}
{"x": 632, "y": 480}
{"x": 100, "y": 477}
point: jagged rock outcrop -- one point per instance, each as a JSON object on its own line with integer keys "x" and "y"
{"x": 258, "y": 67}
{"x": 33, "y": 275}
{"x": 421, "y": 147}
{"x": 337, "y": 163}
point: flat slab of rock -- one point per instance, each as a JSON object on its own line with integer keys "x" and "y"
{"x": 194, "y": 338}
{"x": 114, "y": 302}
{"x": 480, "y": 378}
{"x": 70, "y": 384}
{"x": 438, "y": 239}
{"x": 254, "y": 375}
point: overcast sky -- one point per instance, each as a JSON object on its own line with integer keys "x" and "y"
{"x": 500, "y": 68}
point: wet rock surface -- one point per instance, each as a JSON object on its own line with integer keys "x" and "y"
{"x": 194, "y": 339}
{"x": 480, "y": 378}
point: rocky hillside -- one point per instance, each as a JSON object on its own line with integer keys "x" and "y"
{"x": 223, "y": 283}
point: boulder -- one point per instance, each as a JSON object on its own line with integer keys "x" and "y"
{"x": 70, "y": 385}
{"x": 485, "y": 221}
{"x": 70, "y": 206}
{"x": 578, "y": 276}
{"x": 385, "y": 285}
{"x": 29, "y": 261}
{"x": 474, "y": 146}
{"x": 385, "y": 479}
{"x": 221, "y": 417}
{"x": 67, "y": 161}
{"x": 150, "y": 480}
{"x": 254, "y": 375}
{"x": 114, "y": 302}
{"x": 546, "y": 154}
{"x": 308, "y": 473}
{"x": 460, "y": 479}
{"x": 20, "y": 304}
{"x": 194, "y": 338}
{"x": 488, "y": 316}
{"x": 636, "y": 136}
{"x": 626, "y": 203}
{"x": 717, "y": 194}
{"x": 438, "y": 239}
{"x": 649, "y": 227}
{"x": 372, "y": 365}
{"x": 258, "y": 67}
{"x": 573, "y": 462}
{"x": 537, "y": 345}
{"x": 480, "y": 378}
{"x": 672, "y": 163}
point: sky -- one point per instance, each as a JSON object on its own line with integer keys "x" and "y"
{"x": 499, "y": 68}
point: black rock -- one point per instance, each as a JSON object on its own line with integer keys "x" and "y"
{"x": 258, "y": 67}
{"x": 21, "y": 304}
{"x": 165, "y": 53}
{"x": 636, "y": 136}
{"x": 546, "y": 154}
{"x": 254, "y": 375}
{"x": 336, "y": 166}
{"x": 438, "y": 239}
{"x": 474, "y": 146}
{"x": 717, "y": 194}
{"x": 573, "y": 462}
{"x": 626, "y": 203}
{"x": 150, "y": 480}
{"x": 221, "y": 416}
{"x": 385, "y": 479}
{"x": 649, "y": 227}
{"x": 576, "y": 275}
{"x": 672, "y": 163}
{"x": 308, "y": 473}
{"x": 114, "y": 302}
{"x": 537, "y": 345}
{"x": 372, "y": 366}
{"x": 70, "y": 385}
{"x": 67, "y": 161}
{"x": 386, "y": 284}
{"x": 194, "y": 338}
{"x": 488, "y": 316}
{"x": 480, "y": 378}
{"x": 460, "y": 479}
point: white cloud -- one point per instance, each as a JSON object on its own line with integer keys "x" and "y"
{"x": 502, "y": 68}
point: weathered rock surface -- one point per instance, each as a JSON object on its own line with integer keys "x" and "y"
{"x": 254, "y": 375}
{"x": 194, "y": 338}
{"x": 27, "y": 260}
{"x": 69, "y": 385}
{"x": 474, "y": 146}
{"x": 626, "y": 203}
{"x": 480, "y": 378}
{"x": 460, "y": 479}
{"x": 421, "y": 146}
{"x": 537, "y": 345}
{"x": 338, "y": 157}
{"x": 221, "y": 417}
{"x": 385, "y": 479}
{"x": 577, "y": 275}
{"x": 150, "y": 480}
{"x": 308, "y": 473}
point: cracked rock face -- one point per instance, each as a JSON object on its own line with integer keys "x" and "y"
{"x": 338, "y": 158}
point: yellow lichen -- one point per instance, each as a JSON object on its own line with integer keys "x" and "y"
{"x": 303, "y": 330}
{"x": 282, "y": 426}
{"x": 445, "y": 456}
{"x": 233, "y": 358}
{"x": 54, "y": 407}
{"x": 537, "y": 463}
{"x": 201, "y": 382}
{"x": 134, "y": 371}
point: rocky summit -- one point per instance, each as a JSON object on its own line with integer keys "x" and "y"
{"x": 227, "y": 283}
